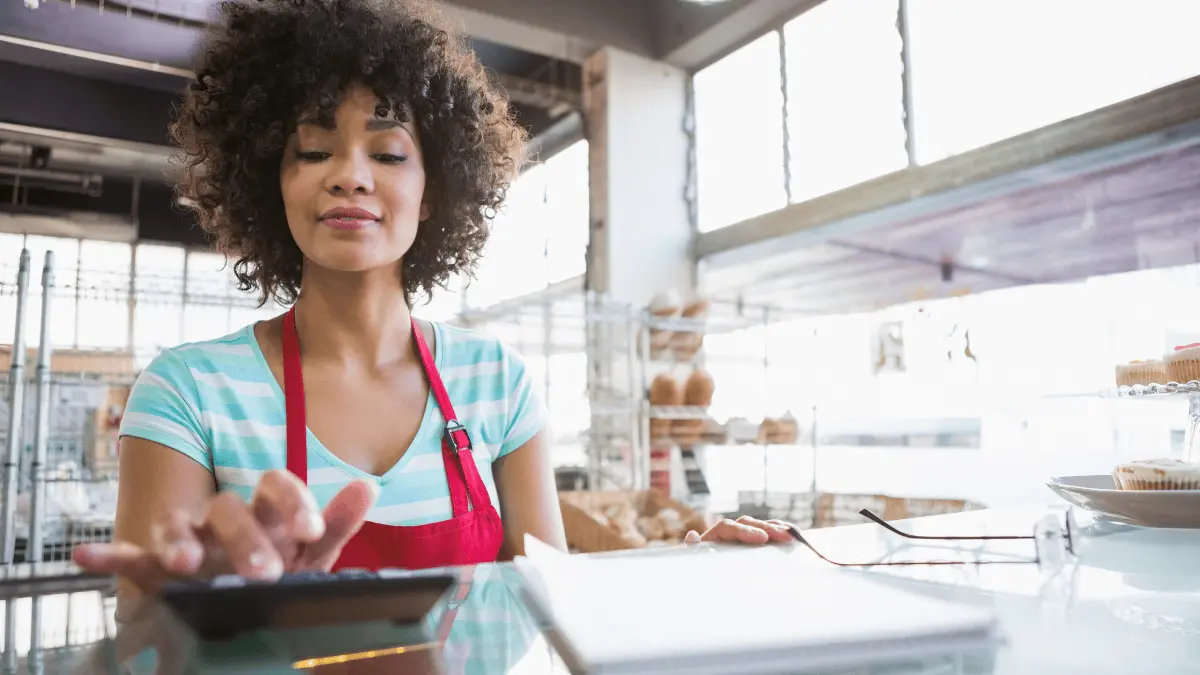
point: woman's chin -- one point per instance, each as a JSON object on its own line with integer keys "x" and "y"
{"x": 347, "y": 260}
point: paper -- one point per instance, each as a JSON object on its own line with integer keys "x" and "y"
{"x": 745, "y": 604}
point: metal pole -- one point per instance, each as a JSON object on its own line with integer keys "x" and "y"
{"x": 12, "y": 460}
{"x": 16, "y": 399}
{"x": 41, "y": 431}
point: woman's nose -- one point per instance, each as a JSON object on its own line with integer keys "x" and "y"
{"x": 351, "y": 174}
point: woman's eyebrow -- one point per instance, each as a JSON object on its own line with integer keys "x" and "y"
{"x": 381, "y": 124}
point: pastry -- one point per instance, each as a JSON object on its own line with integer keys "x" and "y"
{"x": 1157, "y": 474}
{"x": 665, "y": 305}
{"x": 1183, "y": 364}
{"x": 698, "y": 390}
{"x": 1144, "y": 373}
{"x": 687, "y": 433}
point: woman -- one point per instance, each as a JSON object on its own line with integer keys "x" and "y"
{"x": 349, "y": 155}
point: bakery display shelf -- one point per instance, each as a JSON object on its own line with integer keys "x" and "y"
{"x": 678, "y": 412}
{"x": 1191, "y": 388}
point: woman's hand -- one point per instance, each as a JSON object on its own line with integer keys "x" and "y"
{"x": 744, "y": 530}
{"x": 280, "y": 530}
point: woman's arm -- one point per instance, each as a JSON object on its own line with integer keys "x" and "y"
{"x": 155, "y": 480}
{"x": 529, "y": 496}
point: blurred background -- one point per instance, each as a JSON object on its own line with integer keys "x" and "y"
{"x": 774, "y": 256}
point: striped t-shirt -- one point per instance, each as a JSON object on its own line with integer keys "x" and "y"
{"x": 218, "y": 403}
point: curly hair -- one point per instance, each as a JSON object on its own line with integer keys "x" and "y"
{"x": 273, "y": 60}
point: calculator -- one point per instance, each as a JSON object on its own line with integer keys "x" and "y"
{"x": 226, "y": 606}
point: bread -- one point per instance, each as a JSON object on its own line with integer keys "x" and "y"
{"x": 687, "y": 344}
{"x": 698, "y": 390}
{"x": 665, "y": 390}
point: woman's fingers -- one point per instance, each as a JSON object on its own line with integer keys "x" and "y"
{"x": 747, "y": 530}
{"x": 177, "y": 545}
{"x": 136, "y": 564}
{"x": 284, "y": 505}
{"x": 231, "y": 527}
{"x": 344, "y": 516}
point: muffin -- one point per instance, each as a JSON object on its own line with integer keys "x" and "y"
{"x": 1183, "y": 364}
{"x": 1144, "y": 373}
{"x": 1157, "y": 474}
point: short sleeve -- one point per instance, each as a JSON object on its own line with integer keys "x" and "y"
{"x": 164, "y": 407}
{"x": 526, "y": 412}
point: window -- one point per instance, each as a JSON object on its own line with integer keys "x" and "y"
{"x": 845, "y": 96}
{"x": 739, "y": 136}
{"x": 540, "y": 235}
{"x": 988, "y": 70}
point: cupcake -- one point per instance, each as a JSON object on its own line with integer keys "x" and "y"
{"x": 1157, "y": 474}
{"x": 1183, "y": 364}
{"x": 1141, "y": 372}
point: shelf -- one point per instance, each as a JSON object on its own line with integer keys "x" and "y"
{"x": 678, "y": 412}
{"x": 1153, "y": 390}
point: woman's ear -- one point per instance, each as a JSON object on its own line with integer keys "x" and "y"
{"x": 425, "y": 212}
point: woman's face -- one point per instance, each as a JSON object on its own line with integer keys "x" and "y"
{"x": 354, "y": 192}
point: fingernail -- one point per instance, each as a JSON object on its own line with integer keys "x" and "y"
{"x": 184, "y": 554}
{"x": 265, "y": 566}
{"x": 311, "y": 524}
{"x": 374, "y": 487}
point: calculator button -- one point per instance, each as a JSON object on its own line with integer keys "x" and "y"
{"x": 228, "y": 581}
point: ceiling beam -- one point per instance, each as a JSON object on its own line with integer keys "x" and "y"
{"x": 693, "y": 36}
{"x": 1150, "y": 124}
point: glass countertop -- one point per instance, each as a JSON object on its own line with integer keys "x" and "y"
{"x": 1130, "y": 602}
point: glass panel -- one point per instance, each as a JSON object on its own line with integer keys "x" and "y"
{"x": 207, "y": 310}
{"x": 63, "y": 307}
{"x": 987, "y": 70}
{"x": 104, "y": 268}
{"x": 158, "y": 316}
{"x": 845, "y": 95}
{"x": 567, "y": 212}
{"x": 514, "y": 259}
{"x": 739, "y": 135}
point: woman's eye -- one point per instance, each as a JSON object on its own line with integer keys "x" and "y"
{"x": 311, "y": 156}
{"x": 390, "y": 159}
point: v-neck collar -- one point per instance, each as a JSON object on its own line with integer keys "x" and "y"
{"x": 314, "y": 443}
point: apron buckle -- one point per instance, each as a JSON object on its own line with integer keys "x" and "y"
{"x": 453, "y": 427}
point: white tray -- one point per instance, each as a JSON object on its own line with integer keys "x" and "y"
{"x": 1148, "y": 508}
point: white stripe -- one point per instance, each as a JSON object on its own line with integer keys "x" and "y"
{"x": 219, "y": 348}
{"x": 235, "y": 476}
{"x": 156, "y": 423}
{"x": 239, "y": 387}
{"x": 328, "y": 475}
{"x": 220, "y": 424}
{"x": 472, "y": 370}
{"x": 481, "y": 410}
{"x": 425, "y": 462}
{"x": 400, "y": 513}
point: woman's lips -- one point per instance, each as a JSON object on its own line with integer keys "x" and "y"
{"x": 348, "y": 218}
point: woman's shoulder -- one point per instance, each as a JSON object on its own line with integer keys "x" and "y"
{"x": 457, "y": 347}
{"x": 236, "y": 352}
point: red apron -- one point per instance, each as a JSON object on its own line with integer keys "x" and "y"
{"x": 473, "y": 534}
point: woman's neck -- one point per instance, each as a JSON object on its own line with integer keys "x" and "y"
{"x": 354, "y": 318}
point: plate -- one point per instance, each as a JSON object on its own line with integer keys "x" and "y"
{"x": 1148, "y": 508}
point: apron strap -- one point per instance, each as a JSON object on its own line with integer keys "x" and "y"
{"x": 461, "y": 473}
{"x": 293, "y": 398}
